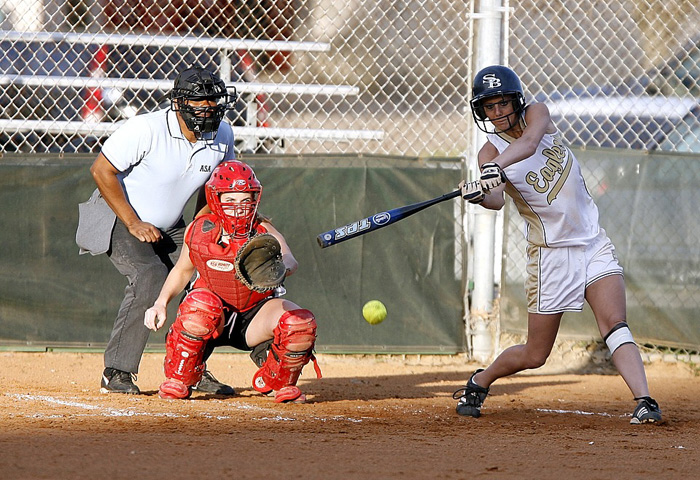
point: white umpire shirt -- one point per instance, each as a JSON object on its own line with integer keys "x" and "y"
{"x": 159, "y": 168}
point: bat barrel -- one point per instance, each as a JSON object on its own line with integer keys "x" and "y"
{"x": 376, "y": 221}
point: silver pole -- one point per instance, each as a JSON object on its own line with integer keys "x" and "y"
{"x": 489, "y": 48}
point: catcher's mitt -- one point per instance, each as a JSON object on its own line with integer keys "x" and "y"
{"x": 259, "y": 263}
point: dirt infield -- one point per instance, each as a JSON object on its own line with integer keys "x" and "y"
{"x": 374, "y": 417}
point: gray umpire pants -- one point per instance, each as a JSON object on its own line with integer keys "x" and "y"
{"x": 145, "y": 265}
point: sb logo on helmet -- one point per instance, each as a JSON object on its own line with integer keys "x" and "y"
{"x": 492, "y": 81}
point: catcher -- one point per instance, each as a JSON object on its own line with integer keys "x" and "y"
{"x": 241, "y": 261}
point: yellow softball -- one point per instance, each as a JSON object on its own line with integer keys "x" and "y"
{"x": 374, "y": 312}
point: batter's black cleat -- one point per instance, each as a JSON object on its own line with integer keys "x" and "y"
{"x": 647, "y": 411}
{"x": 471, "y": 398}
{"x": 116, "y": 381}
{"x": 209, "y": 384}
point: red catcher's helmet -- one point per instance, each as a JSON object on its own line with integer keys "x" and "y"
{"x": 234, "y": 176}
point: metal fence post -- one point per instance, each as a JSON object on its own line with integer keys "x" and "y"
{"x": 488, "y": 52}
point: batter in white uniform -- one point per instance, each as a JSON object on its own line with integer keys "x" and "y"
{"x": 570, "y": 258}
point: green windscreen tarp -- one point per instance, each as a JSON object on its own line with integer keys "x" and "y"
{"x": 51, "y": 296}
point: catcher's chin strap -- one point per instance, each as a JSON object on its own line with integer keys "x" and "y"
{"x": 198, "y": 319}
{"x": 291, "y": 349}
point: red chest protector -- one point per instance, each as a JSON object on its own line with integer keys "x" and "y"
{"x": 215, "y": 263}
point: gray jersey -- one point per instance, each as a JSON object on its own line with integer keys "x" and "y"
{"x": 160, "y": 169}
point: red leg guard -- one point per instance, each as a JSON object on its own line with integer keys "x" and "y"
{"x": 198, "y": 318}
{"x": 291, "y": 349}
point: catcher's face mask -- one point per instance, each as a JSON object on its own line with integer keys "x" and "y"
{"x": 233, "y": 194}
{"x": 239, "y": 209}
{"x": 202, "y": 99}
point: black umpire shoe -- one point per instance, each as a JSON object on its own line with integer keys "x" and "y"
{"x": 209, "y": 384}
{"x": 471, "y": 398}
{"x": 647, "y": 411}
{"x": 116, "y": 381}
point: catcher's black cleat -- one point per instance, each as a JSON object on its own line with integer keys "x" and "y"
{"x": 209, "y": 384}
{"x": 116, "y": 381}
{"x": 647, "y": 411}
{"x": 471, "y": 398}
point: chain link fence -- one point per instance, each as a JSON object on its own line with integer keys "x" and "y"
{"x": 359, "y": 76}
{"x": 620, "y": 74}
{"x": 374, "y": 76}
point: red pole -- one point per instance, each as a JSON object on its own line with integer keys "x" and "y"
{"x": 92, "y": 111}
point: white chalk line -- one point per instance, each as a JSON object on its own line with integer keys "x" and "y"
{"x": 115, "y": 412}
{"x": 100, "y": 410}
{"x": 579, "y": 412}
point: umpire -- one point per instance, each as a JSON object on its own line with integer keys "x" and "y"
{"x": 145, "y": 173}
